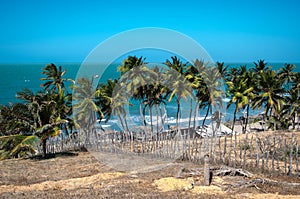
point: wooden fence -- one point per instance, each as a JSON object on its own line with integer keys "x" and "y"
{"x": 265, "y": 152}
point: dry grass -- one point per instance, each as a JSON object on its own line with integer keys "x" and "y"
{"x": 82, "y": 176}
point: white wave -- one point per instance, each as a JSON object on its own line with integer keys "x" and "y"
{"x": 226, "y": 100}
{"x": 172, "y": 120}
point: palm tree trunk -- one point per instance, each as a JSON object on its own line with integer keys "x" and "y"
{"x": 122, "y": 124}
{"x": 157, "y": 126}
{"x": 178, "y": 113}
{"x": 150, "y": 109}
{"x": 196, "y": 115}
{"x": 206, "y": 115}
{"x": 235, "y": 138}
{"x": 44, "y": 147}
{"x": 247, "y": 119}
{"x": 126, "y": 125}
{"x": 234, "y": 119}
{"x": 190, "y": 116}
{"x": 189, "y": 129}
{"x": 142, "y": 114}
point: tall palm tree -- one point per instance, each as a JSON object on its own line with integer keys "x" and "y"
{"x": 156, "y": 94}
{"x": 240, "y": 94}
{"x": 118, "y": 101}
{"x": 270, "y": 93}
{"x": 85, "y": 108}
{"x": 213, "y": 81}
{"x": 180, "y": 88}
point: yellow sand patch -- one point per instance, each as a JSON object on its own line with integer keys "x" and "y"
{"x": 62, "y": 184}
{"x": 171, "y": 184}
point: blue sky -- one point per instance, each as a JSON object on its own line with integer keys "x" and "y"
{"x": 230, "y": 31}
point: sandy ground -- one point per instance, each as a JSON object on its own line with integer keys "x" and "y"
{"x": 80, "y": 175}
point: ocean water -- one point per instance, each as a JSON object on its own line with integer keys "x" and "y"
{"x": 16, "y": 77}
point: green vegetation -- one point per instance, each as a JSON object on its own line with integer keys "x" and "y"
{"x": 48, "y": 113}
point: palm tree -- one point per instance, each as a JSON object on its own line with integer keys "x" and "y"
{"x": 240, "y": 94}
{"x": 250, "y": 76}
{"x": 135, "y": 77}
{"x": 130, "y": 63}
{"x": 296, "y": 88}
{"x": 180, "y": 88}
{"x": 286, "y": 74}
{"x": 261, "y": 66}
{"x": 54, "y": 79}
{"x": 15, "y": 119}
{"x": 104, "y": 99}
{"x": 85, "y": 108}
{"x": 223, "y": 70}
{"x": 213, "y": 81}
{"x": 118, "y": 101}
{"x": 269, "y": 93}
{"x": 14, "y": 146}
{"x": 176, "y": 64}
{"x": 46, "y": 121}
{"x": 156, "y": 94}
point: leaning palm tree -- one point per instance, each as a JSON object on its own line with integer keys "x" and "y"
{"x": 46, "y": 121}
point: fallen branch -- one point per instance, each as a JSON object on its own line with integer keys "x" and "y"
{"x": 223, "y": 171}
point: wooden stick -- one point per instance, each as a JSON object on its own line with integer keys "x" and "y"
{"x": 273, "y": 153}
{"x": 251, "y": 152}
{"x": 257, "y": 152}
{"x": 285, "y": 158}
{"x": 291, "y": 155}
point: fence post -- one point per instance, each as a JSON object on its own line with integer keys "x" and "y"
{"x": 206, "y": 171}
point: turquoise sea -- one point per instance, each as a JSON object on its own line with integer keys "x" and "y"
{"x": 15, "y": 77}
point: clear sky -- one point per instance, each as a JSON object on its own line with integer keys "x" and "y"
{"x": 230, "y": 30}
